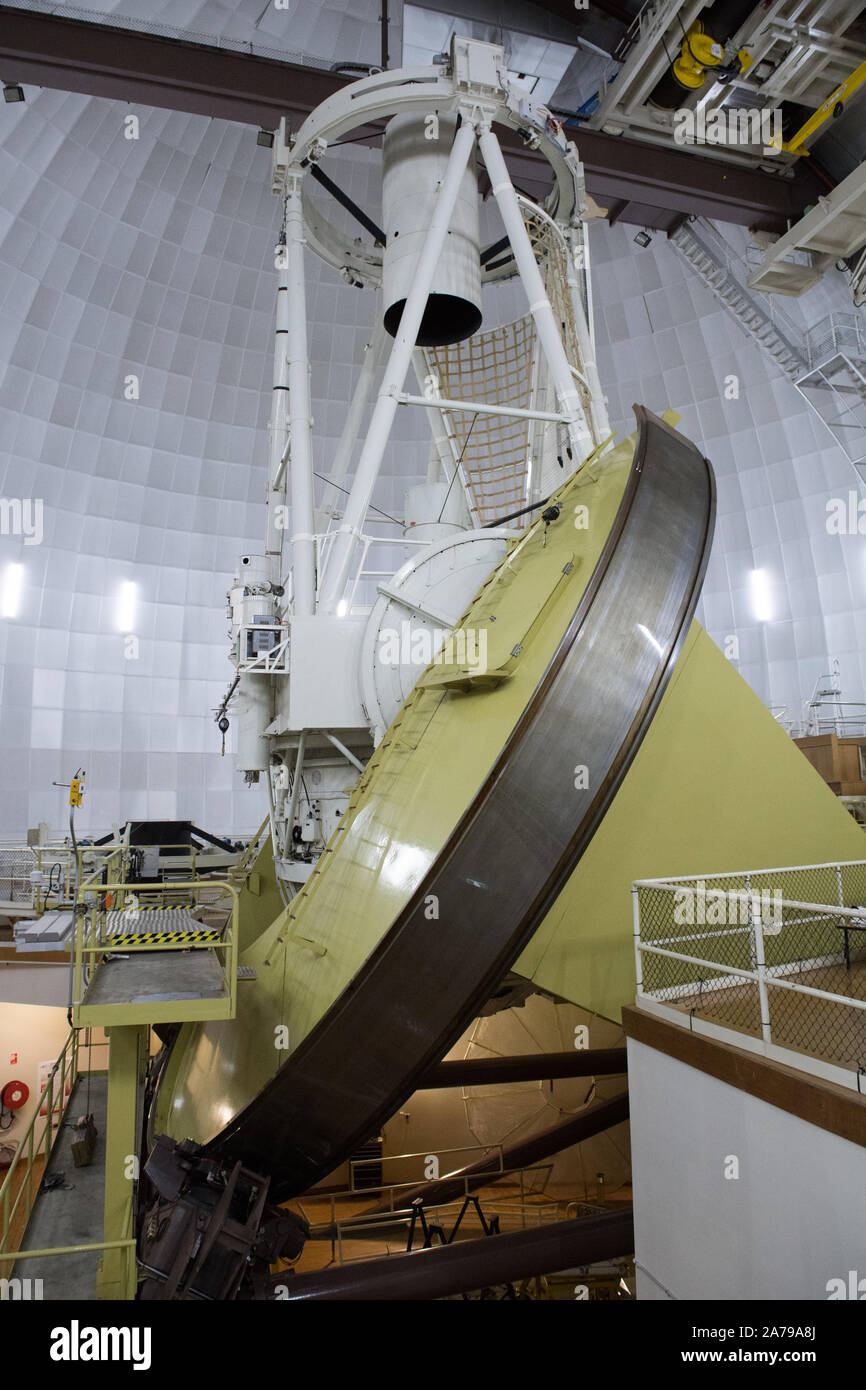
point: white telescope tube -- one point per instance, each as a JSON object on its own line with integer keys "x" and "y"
{"x": 370, "y": 460}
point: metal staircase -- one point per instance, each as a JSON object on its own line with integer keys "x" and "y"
{"x": 759, "y": 323}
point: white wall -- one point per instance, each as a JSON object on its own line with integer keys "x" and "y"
{"x": 154, "y": 258}
{"x": 664, "y": 340}
{"x": 791, "y": 1221}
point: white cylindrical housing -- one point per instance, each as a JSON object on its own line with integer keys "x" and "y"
{"x": 415, "y": 154}
{"x": 435, "y": 511}
{"x": 253, "y": 714}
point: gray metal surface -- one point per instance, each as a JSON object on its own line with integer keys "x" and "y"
{"x": 154, "y": 977}
{"x": 514, "y": 849}
{"x": 50, "y": 932}
{"x": 154, "y": 919}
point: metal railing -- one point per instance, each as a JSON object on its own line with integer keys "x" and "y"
{"x": 776, "y": 955}
{"x": 842, "y": 333}
{"x": 44, "y": 877}
{"x": 59, "y": 1084}
{"x": 16, "y": 865}
{"x": 361, "y": 586}
{"x": 517, "y": 1212}
{"x": 104, "y": 892}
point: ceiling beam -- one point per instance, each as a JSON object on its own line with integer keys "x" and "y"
{"x": 145, "y": 69}
{"x": 124, "y": 65}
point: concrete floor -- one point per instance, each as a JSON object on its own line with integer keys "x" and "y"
{"x": 73, "y": 1215}
{"x": 145, "y": 978}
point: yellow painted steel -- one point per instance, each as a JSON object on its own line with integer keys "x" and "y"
{"x": 127, "y": 1062}
{"x": 163, "y": 938}
{"x": 423, "y": 776}
{"x": 826, "y": 112}
{"x": 717, "y": 785}
{"x": 698, "y": 52}
{"x": 91, "y": 942}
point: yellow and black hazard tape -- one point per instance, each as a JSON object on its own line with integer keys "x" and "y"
{"x": 164, "y": 938}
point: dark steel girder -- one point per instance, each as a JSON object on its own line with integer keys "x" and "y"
{"x": 541, "y": 1066}
{"x": 654, "y": 182}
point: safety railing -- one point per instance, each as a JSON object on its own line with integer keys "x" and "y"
{"x": 364, "y": 578}
{"x": 127, "y": 1276}
{"x": 17, "y": 1195}
{"x": 44, "y": 877}
{"x": 55, "y": 881}
{"x": 775, "y": 955}
{"x": 17, "y": 862}
{"x": 102, "y": 894}
{"x": 239, "y": 870}
{"x": 388, "y": 1228}
{"x": 839, "y": 333}
{"x": 270, "y": 648}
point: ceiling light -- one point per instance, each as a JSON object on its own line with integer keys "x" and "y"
{"x": 13, "y": 580}
{"x": 12, "y": 92}
{"x": 124, "y": 607}
{"x": 643, "y": 238}
{"x": 762, "y": 596}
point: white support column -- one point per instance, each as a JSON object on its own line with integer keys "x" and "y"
{"x": 300, "y": 419}
{"x": 370, "y": 460}
{"x": 278, "y": 424}
{"x": 439, "y": 450}
{"x": 539, "y": 304}
{"x": 352, "y": 426}
{"x": 599, "y": 423}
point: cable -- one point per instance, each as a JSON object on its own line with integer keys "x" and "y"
{"x": 52, "y": 888}
{"x": 512, "y": 516}
{"x": 457, "y": 467}
{"x": 356, "y": 139}
{"x": 331, "y": 483}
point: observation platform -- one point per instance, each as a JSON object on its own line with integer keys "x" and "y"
{"x": 160, "y": 965}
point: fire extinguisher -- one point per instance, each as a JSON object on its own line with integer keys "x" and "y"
{"x": 13, "y": 1095}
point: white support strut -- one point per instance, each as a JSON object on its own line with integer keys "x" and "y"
{"x": 334, "y": 490}
{"x": 539, "y": 304}
{"x": 370, "y": 460}
{"x": 278, "y": 424}
{"x": 300, "y": 414}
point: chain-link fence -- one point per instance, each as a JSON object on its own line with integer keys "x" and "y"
{"x": 16, "y": 866}
{"x": 779, "y": 954}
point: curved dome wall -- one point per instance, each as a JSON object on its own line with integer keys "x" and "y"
{"x": 150, "y": 258}
{"x": 665, "y": 340}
